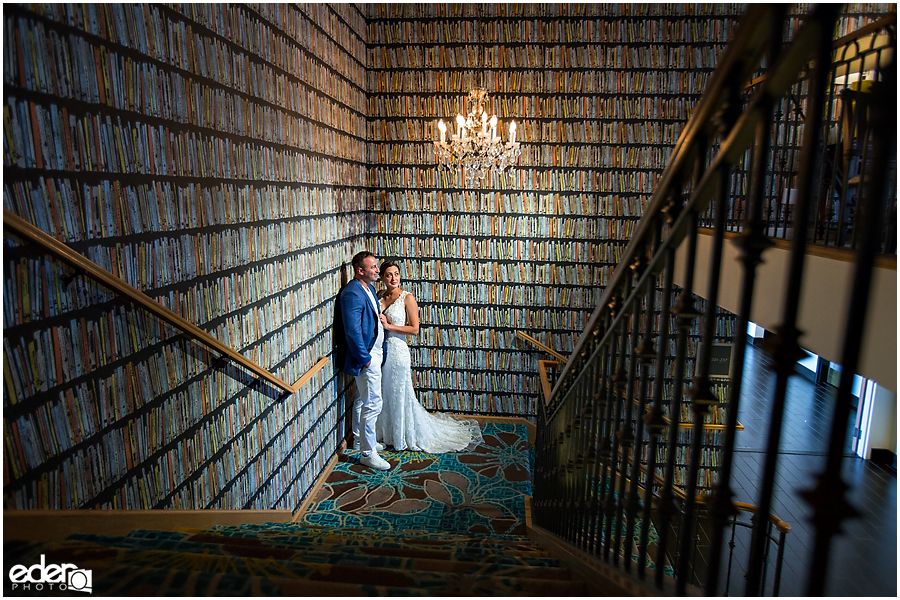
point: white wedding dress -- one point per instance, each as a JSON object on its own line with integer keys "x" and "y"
{"x": 403, "y": 423}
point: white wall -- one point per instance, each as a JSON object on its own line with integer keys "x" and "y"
{"x": 824, "y": 298}
{"x": 881, "y": 419}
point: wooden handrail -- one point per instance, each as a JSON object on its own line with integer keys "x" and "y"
{"x": 545, "y": 379}
{"x": 63, "y": 253}
{"x": 542, "y": 346}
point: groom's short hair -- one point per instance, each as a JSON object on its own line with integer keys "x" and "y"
{"x": 357, "y": 261}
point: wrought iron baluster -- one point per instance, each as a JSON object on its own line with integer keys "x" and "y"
{"x": 720, "y": 505}
{"x": 633, "y": 506}
{"x": 576, "y": 461}
{"x": 592, "y": 413}
{"x": 828, "y": 499}
{"x": 625, "y": 433}
{"x": 786, "y": 350}
{"x": 617, "y": 383}
{"x": 603, "y": 434}
{"x": 685, "y": 313}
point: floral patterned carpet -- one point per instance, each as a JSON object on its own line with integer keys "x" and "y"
{"x": 480, "y": 492}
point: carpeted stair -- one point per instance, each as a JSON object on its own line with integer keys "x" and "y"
{"x": 291, "y": 559}
{"x": 434, "y": 525}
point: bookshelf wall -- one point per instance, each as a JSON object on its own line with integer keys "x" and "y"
{"x": 214, "y": 157}
{"x": 599, "y": 93}
{"x": 228, "y": 160}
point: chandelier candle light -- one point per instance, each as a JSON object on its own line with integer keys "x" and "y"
{"x": 474, "y": 147}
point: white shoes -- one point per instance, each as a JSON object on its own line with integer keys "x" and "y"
{"x": 376, "y": 462}
{"x": 378, "y": 446}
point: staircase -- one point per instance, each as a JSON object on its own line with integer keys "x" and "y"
{"x": 290, "y": 559}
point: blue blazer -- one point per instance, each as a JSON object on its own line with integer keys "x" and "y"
{"x": 355, "y": 328}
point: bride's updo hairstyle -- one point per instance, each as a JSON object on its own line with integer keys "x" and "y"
{"x": 387, "y": 265}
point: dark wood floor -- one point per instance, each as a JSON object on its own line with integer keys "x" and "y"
{"x": 863, "y": 559}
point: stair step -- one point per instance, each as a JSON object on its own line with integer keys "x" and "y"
{"x": 336, "y": 544}
{"x": 410, "y": 537}
{"x": 314, "y": 555}
{"x": 305, "y": 528}
{"x": 95, "y": 557}
{"x": 473, "y": 546}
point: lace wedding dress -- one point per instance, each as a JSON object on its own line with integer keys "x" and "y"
{"x": 403, "y": 423}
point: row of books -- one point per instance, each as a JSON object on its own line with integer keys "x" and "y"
{"x": 499, "y": 249}
{"x": 657, "y": 30}
{"x": 33, "y": 289}
{"x": 335, "y": 45}
{"x": 715, "y": 416}
{"x": 281, "y": 44}
{"x": 169, "y": 260}
{"x": 167, "y": 37}
{"x": 478, "y": 402}
{"x": 75, "y": 211}
{"x": 638, "y": 81}
{"x": 237, "y": 292}
{"x": 95, "y": 468}
{"x": 492, "y": 339}
{"x": 259, "y": 337}
{"x": 48, "y": 137}
{"x": 709, "y": 456}
{"x": 573, "y": 156}
{"x": 579, "y": 58}
{"x": 343, "y": 23}
{"x": 111, "y": 211}
{"x": 535, "y": 131}
{"x": 476, "y": 292}
{"x": 154, "y": 485}
{"x": 53, "y": 356}
{"x": 69, "y": 66}
{"x": 540, "y": 202}
{"x": 555, "y": 179}
{"x": 468, "y": 359}
{"x": 519, "y": 318}
{"x": 543, "y": 226}
{"x": 288, "y": 484}
{"x": 639, "y": 107}
{"x": 553, "y": 11}
{"x": 416, "y": 269}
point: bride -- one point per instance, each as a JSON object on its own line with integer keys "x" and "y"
{"x": 403, "y": 423}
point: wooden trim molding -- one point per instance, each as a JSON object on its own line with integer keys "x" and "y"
{"x": 57, "y": 525}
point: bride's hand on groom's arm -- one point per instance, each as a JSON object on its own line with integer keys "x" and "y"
{"x": 385, "y": 321}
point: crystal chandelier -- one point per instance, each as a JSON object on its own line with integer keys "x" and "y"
{"x": 476, "y": 146}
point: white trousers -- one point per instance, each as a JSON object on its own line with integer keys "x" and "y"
{"x": 367, "y": 405}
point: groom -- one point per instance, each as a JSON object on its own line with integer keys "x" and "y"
{"x": 363, "y": 337}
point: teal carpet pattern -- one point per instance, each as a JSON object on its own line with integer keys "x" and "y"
{"x": 480, "y": 492}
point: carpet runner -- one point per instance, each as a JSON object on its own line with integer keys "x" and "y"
{"x": 478, "y": 492}
{"x": 450, "y": 524}
{"x": 434, "y": 525}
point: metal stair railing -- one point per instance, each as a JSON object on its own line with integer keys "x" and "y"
{"x": 601, "y": 431}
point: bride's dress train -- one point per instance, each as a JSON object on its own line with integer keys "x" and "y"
{"x": 403, "y": 423}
